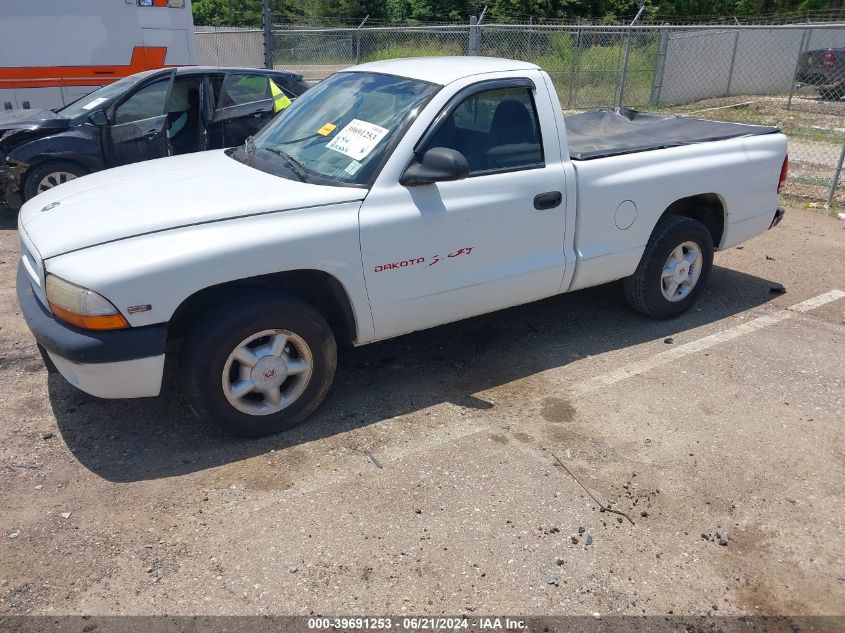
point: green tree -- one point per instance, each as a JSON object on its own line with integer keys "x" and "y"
{"x": 248, "y": 12}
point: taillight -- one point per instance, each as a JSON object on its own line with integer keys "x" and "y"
{"x": 784, "y": 170}
{"x": 828, "y": 59}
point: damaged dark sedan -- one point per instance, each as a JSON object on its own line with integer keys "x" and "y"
{"x": 147, "y": 115}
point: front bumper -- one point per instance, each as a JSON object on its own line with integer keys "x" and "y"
{"x": 11, "y": 177}
{"x": 111, "y": 364}
{"x": 819, "y": 78}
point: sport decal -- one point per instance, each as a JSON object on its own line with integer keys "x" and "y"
{"x": 422, "y": 261}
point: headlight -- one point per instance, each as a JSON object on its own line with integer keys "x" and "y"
{"x": 82, "y": 307}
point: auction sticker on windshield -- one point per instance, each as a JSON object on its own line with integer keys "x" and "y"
{"x": 357, "y": 139}
{"x": 94, "y": 103}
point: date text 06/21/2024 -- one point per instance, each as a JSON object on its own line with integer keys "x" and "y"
{"x": 417, "y": 623}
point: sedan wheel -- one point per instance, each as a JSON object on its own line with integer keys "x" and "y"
{"x": 53, "y": 180}
{"x": 47, "y": 175}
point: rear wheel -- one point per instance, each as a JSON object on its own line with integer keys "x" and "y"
{"x": 673, "y": 270}
{"x": 258, "y": 366}
{"x": 51, "y": 174}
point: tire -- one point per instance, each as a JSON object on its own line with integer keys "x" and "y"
{"x": 835, "y": 93}
{"x": 208, "y": 351}
{"x": 647, "y": 289}
{"x": 38, "y": 179}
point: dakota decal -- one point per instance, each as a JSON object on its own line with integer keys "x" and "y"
{"x": 403, "y": 264}
{"x": 417, "y": 261}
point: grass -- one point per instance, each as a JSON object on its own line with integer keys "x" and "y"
{"x": 585, "y": 75}
{"x": 792, "y": 125}
{"x": 817, "y": 181}
{"x": 816, "y": 204}
{"x": 810, "y": 126}
{"x": 393, "y": 51}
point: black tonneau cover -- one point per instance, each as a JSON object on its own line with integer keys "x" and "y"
{"x": 607, "y": 132}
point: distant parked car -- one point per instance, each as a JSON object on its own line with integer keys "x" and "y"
{"x": 147, "y": 115}
{"x": 824, "y": 69}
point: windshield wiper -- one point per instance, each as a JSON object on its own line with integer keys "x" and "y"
{"x": 294, "y": 165}
{"x": 299, "y": 140}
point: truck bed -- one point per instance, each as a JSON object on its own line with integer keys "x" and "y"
{"x": 606, "y": 132}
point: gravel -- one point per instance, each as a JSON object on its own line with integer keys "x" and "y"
{"x": 222, "y": 519}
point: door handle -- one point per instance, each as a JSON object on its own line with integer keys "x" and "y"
{"x": 548, "y": 200}
{"x": 151, "y": 134}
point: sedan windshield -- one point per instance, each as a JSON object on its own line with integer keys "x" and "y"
{"x": 99, "y": 98}
{"x": 338, "y": 131}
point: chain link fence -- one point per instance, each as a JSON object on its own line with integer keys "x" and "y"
{"x": 230, "y": 46}
{"x": 792, "y": 76}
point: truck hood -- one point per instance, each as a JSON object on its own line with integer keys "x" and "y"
{"x": 163, "y": 194}
{"x": 31, "y": 120}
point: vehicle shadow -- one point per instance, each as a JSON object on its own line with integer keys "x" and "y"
{"x": 132, "y": 440}
{"x": 8, "y": 217}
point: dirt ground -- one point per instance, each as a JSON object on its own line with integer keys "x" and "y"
{"x": 428, "y": 483}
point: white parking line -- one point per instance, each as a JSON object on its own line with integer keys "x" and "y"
{"x": 686, "y": 349}
{"x": 402, "y": 444}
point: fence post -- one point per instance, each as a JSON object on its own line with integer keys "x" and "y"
{"x": 576, "y": 61}
{"x": 801, "y": 48}
{"x": 835, "y": 181}
{"x": 530, "y": 30}
{"x": 268, "y": 33}
{"x": 358, "y": 39}
{"x": 733, "y": 62}
{"x": 472, "y": 47}
{"x": 659, "y": 66}
{"x": 624, "y": 74}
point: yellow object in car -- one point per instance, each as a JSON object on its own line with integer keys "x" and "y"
{"x": 280, "y": 99}
{"x": 327, "y": 129}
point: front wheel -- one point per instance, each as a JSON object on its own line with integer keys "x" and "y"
{"x": 259, "y": 366}
{"x": 51, "y": 174}
{"x": 673, "y": 270}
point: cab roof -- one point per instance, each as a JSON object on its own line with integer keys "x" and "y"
{"x": 205, "y": 70}
{"x": 442, "y": 70}
{"x": 181, "y": 70}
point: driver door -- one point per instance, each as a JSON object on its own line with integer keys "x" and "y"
{"x": 138, "y": 129}
{"x": 449, "y": 250}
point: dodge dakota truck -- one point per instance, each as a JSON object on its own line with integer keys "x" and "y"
{"x": 393, "y": 196}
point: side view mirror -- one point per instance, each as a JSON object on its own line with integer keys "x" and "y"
{"x": 98, "y": 118}
{"x": 438, "y": 164}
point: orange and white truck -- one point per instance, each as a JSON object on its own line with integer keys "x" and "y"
{"x": 52, "y": 52}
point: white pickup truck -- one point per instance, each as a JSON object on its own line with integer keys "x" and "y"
{"x": 392, "y": 197}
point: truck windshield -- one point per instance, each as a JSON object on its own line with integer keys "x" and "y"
{"x": 338, "y": 131}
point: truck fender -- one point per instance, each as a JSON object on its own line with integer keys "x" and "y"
{"x": 318, "y": 288}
